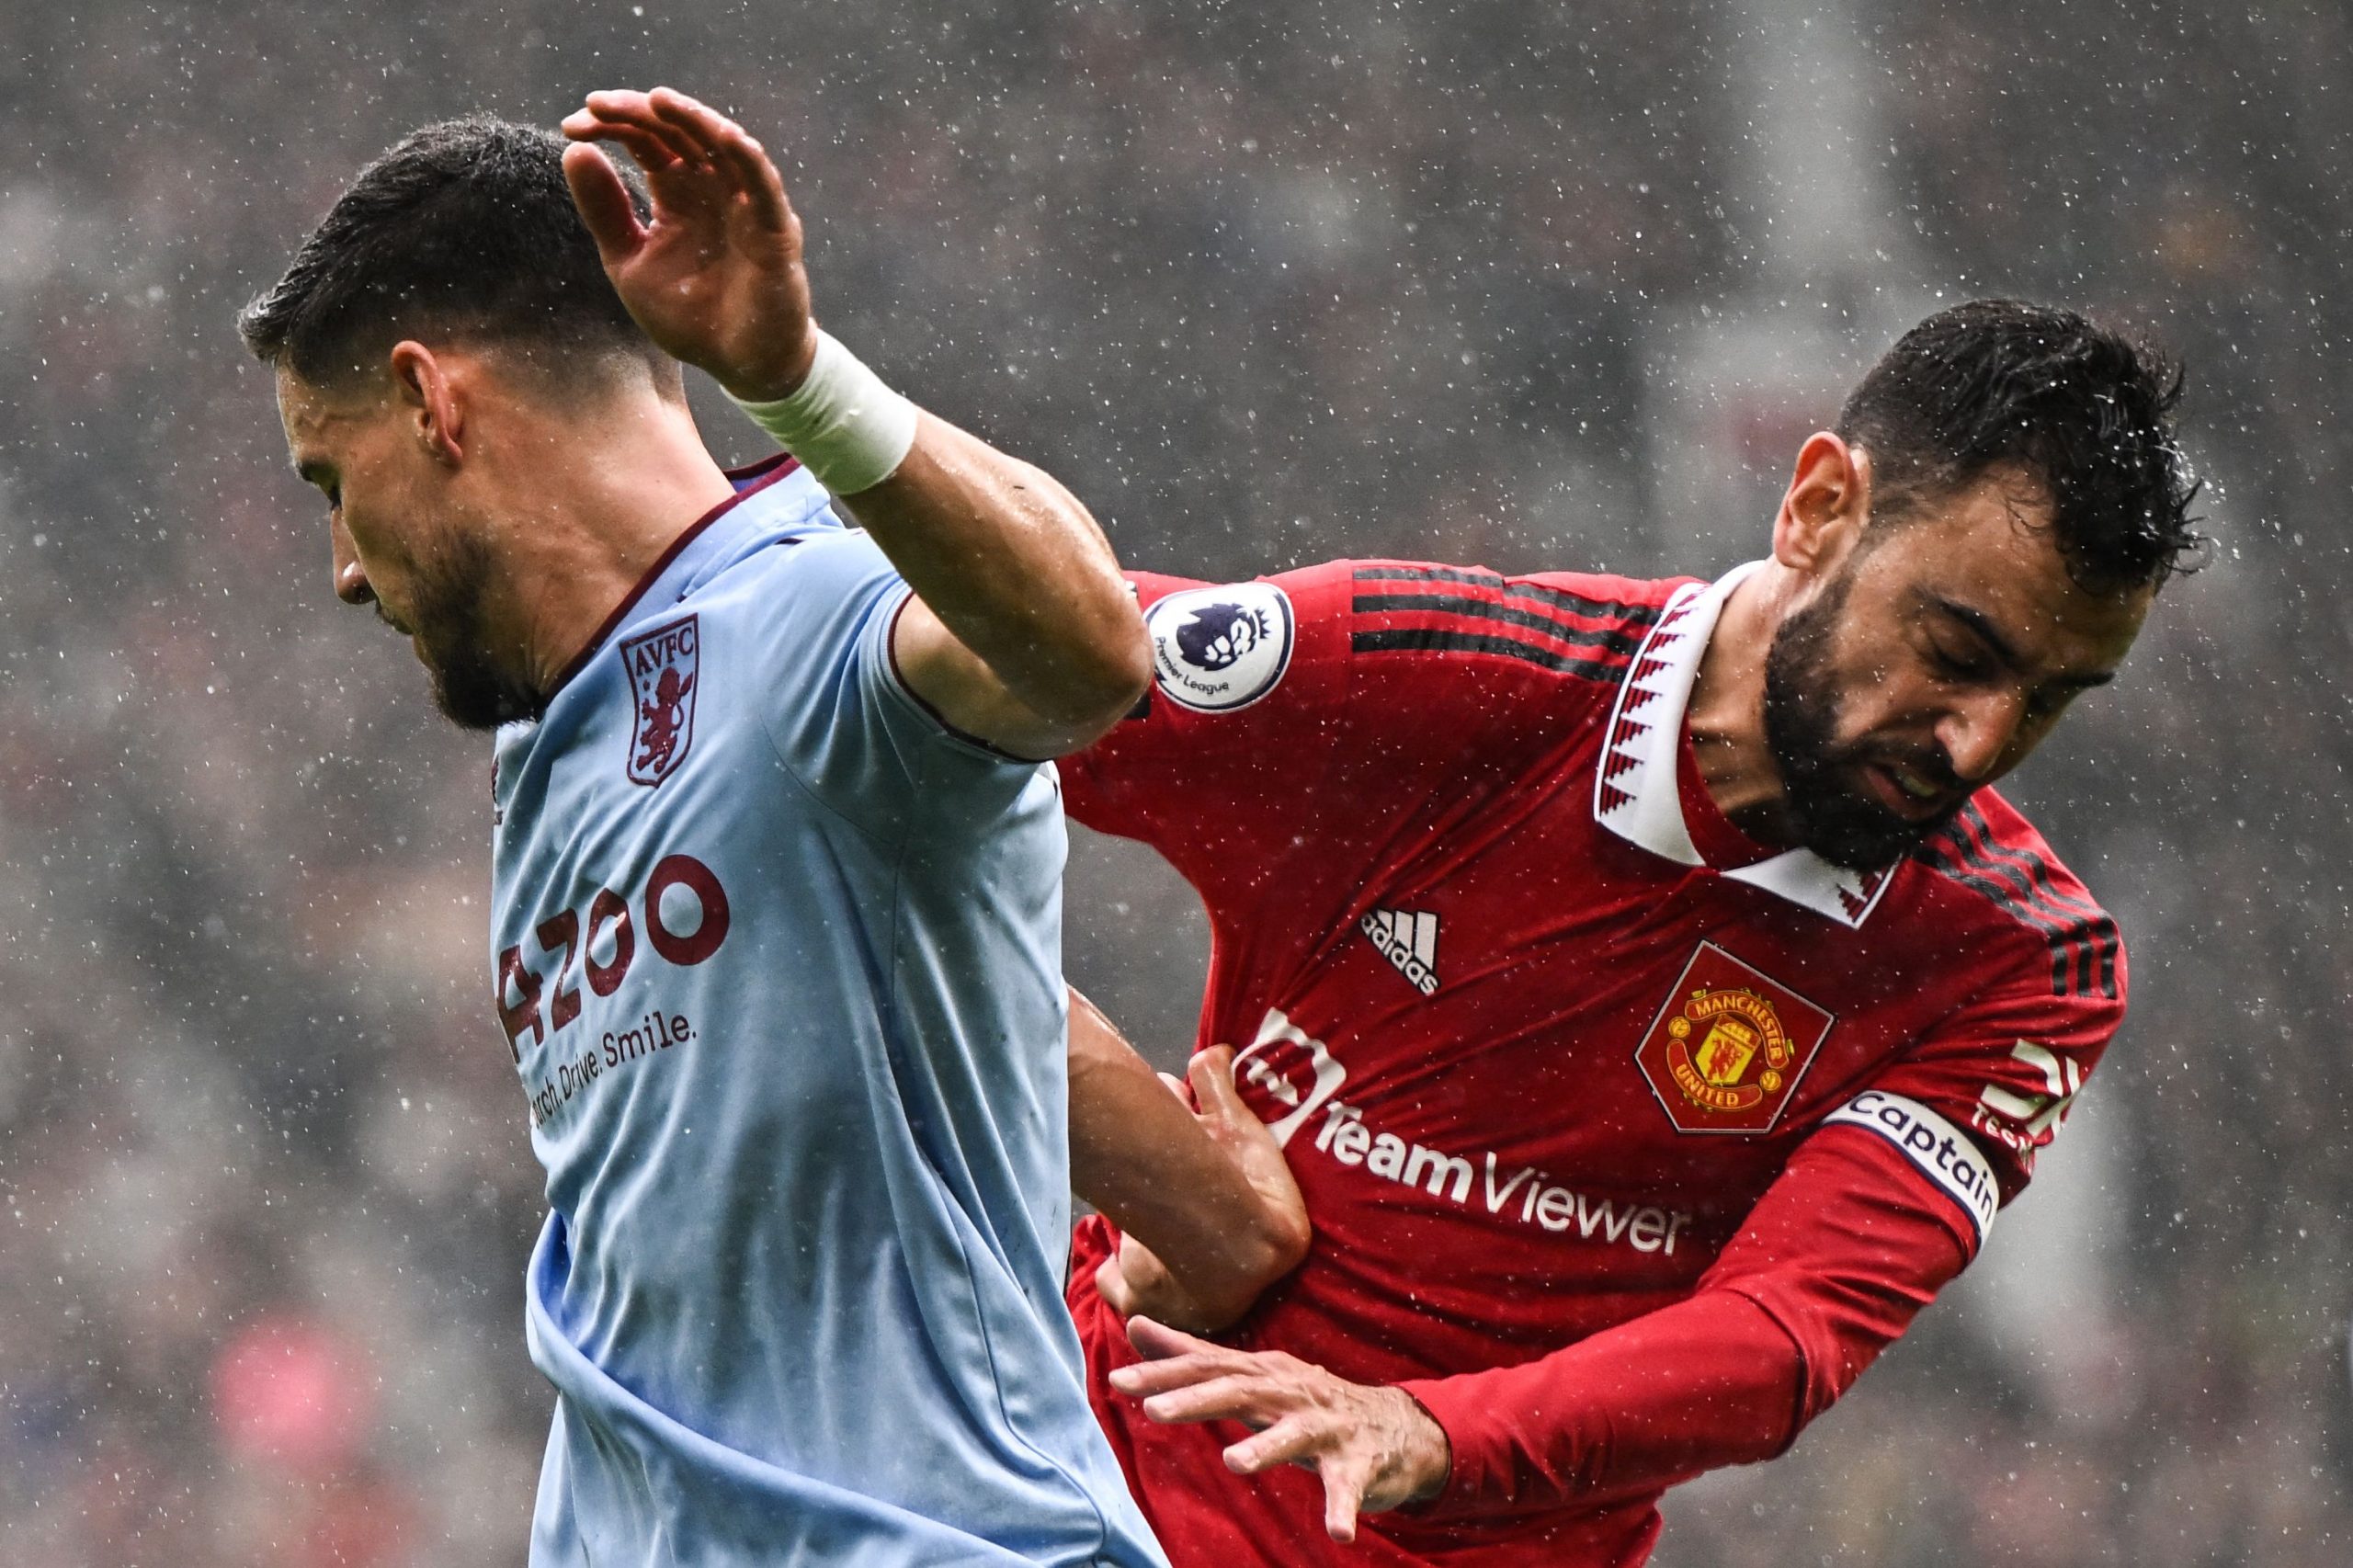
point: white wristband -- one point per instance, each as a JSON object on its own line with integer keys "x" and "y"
{"x": 849, "y": 430}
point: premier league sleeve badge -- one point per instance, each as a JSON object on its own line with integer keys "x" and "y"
{"x": 1214, "y": 650}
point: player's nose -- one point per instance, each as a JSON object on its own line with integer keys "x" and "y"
{"x": 1978, "y": 736}
{"x": 350, "y": 577}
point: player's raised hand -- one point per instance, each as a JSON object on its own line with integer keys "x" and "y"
{"x": 1135, "y": 1279}
{"x": 1374, "y": 1448}
{"x": 715, "y": 277}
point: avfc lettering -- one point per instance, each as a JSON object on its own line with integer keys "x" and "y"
{"x": 661, "y": 667}
{"x": 685, "y": 916}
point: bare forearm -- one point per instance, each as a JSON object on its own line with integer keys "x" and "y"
{"x": 1025, "y": 636}
{"x": 1016, "y": 571}
{"x": 1142, "y": 1159}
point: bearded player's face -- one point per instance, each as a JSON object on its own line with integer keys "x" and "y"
{"x": 402, "y": 540}
{"x": 1929, "y": 662}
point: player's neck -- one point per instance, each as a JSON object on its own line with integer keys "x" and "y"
{"x": 612, "y": 496}
{"x": 1727, "y": 715}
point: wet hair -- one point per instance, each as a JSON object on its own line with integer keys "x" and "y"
{"x": 2083, "y": 412}
{"x": 465, "y": 230}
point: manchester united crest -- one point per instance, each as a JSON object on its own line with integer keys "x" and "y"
{"x": 1727, "y": 1050}
{"x": 663, "y": 666}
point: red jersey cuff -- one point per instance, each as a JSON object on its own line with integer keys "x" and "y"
{"x": 1709, "y": 1381}
{"x": 1479, "y": 1466}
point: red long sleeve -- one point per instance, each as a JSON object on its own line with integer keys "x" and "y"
{"x": 1845, "y": 1247}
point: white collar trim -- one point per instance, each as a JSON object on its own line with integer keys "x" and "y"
{"x": 1635, "y": 790}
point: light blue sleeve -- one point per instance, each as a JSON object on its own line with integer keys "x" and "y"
{"x": 841, "y": 717}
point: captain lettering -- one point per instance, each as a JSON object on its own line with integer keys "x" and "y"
{"x": 686, "y": 918}
{"x": 1938, "y": 1148}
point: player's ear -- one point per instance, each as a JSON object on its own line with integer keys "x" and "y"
{"x": 1828, "y": 502}
{"x": 430, "y": 399}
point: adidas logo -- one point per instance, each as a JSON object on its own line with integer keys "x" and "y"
{"x": 1408, "y": 939}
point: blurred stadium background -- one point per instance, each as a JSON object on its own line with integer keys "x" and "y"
{"x": 1528, "y": 282}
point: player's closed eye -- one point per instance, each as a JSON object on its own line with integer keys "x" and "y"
{"x": 1953, "y": 664}
{"x": 2051, "y": 701}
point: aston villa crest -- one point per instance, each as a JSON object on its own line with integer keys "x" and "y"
{"x": 662, "y": 666}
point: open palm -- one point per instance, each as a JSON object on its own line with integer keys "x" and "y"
{"x": 715, "y": 276}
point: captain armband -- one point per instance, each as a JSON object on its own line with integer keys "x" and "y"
{"x": 1940, "y": 1151}
{"x": 849, "y": 428}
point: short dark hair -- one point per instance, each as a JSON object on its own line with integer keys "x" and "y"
{"x": 465, "y": 228}
{"x": 2083, "y": 411}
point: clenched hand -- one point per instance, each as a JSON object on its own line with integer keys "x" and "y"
{"x": 1135, "y": 1279}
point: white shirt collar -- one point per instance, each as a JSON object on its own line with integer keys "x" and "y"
{"x": 1636, "y": 794}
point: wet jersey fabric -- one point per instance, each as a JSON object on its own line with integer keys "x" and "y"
{"x": 778, "y": 958}
{"x": 1553, "y": 1048}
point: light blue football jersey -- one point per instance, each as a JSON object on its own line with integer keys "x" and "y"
{"x": 778, "y": 956}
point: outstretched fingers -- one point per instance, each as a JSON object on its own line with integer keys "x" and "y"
{"x": 1310, "y": 1438}
{"x": 727, "y": 147}
{"x": 1158, "y": 1342}
{"x": 1303, "y": 1415}
{"x": 603, "y": 201}
{"x": 1193, "y": 1380}
{"x": 672, "y": 135}
{"x": 1345, "y": 1479}
{"x": 630, "y": 118}
{"x": 1223, "y": 1396}
{"x": 754, "y": 177}
{"x": 1298, "y": 1439}
{"x": 691, "y": 120}
{"x": 1146, "y": 1379}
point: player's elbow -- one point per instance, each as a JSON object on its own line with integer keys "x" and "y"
{"x": 1278, "y": 1246}
{"x": 1273, "y": 1244}
{"x": 1101, "y": 679}
{"x": 1127, "y": 669}
{"x": 1210, "y": 1299}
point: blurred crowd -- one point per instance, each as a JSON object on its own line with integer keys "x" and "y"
{"x": 1264, "y": 283}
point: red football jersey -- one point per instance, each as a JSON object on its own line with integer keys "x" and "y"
{"x": 1542, "y": 1030}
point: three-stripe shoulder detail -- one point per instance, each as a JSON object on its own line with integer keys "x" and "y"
{"x": 2034, "y": 891}
{"x": 1459, "y": 610}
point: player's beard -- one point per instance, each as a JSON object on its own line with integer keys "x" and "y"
{"x": 470, "y": 688}
{"x": 1821, "y": 774}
